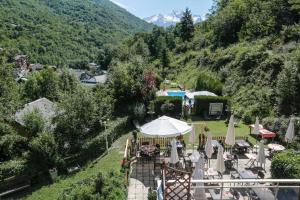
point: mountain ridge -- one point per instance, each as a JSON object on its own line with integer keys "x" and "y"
{"x": 169, "y": 19}
{"x": 59, "y": 32}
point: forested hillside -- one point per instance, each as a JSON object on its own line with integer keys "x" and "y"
{"x": 60, "y": 32}
{"x": 246, "y": 49}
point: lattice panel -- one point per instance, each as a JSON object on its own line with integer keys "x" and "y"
{"x": 177, "y": 184}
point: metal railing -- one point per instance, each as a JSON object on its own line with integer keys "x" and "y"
{"x": 221, "y": 184}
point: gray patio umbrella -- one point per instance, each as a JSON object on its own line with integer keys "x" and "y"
{"x": 261, "y": 157}
{"x": 192, "y": 137}
{"x": 290, "y": 133}
{"x": 220, "y": 166}
{"x": 198, "y": 174}
{"x": 209, "y": 149}
{"x": 230, "y": 136}
{"x": 174, "y": 155}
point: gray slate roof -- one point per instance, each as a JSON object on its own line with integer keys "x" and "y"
{"x": 45, "y": 107}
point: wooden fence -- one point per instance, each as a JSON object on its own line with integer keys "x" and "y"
{"x": 163, "y": 142}
{"x": 202, "y": 138}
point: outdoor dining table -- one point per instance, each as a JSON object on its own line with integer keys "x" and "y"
{"x": 216, "y": 194}
{"x": 242, "y": 145}
{"x": 210, "y": 172}
{"x": 247, "y": 174}
{"x": 263, "y": 193}
{"x": 147, "y": 149}
{"x": 276, "y": 147}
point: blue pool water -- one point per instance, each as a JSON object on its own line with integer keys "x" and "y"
{"x": 176, "y": 93}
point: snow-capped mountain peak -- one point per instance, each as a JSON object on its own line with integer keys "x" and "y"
{"x": 169, "y": 19}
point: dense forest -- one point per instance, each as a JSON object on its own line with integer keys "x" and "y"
{"x": 57, "y": 32}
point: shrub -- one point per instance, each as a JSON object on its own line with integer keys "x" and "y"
{"x": 44, "y": 151}
{"x": 12, "y": 168}
{"x": 102, "y": 186}
{"x": 34, "y": 122}
{"x": 97, "y": 146}
{"x": 202, "y": 104}
{"x": 207, "y": 81}
{"x": 286, "y": 165}
{"x": 159, "y": 109}
{"x": 12, "y": 145}
{"x": 139, "y": 111}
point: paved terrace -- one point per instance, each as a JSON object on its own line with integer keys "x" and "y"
{"x": 143, "y": 176}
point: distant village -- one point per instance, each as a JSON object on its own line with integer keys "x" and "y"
{"x": 91, "y": 76}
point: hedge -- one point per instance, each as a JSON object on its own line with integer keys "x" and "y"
{"x": 103, "y": 186}
{"x": 97, "y": 145}
{"x": 176, "y": 101}
{"x": 202, "y": 104}
{"x": 12, "y": 168}
{"x": 286, "y": 165}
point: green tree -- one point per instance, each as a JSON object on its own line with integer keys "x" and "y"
{"x": 76, "y": 117}
{"x": 9, "y": 90}
{"x": 43, "y": 151}
{"x": 187, "y": 26}
{"x": 287, "y": 88}
{"x": 42, "y": 84}
{"x": 34, "y": 122}
{"x": 165, "y": 62}
{"x": 105, "y": 102}
{"x": 68, "y": 82}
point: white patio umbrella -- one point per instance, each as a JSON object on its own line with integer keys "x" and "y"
{"x": 261, "y": 158}
{"x": 165, "y": 127}
{"x": 220, "y": 167}
{"x": 174, "y": 155}
{"x": 192, "y": 137}
{"x": 290, "y": 133}
{"x": 256, "y": 127}
{"x": 230, "y": 136}
{"x": 198, "y": 174}
{"x": 209, "y": 149}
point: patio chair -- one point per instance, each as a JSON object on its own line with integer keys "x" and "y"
{"x": 235, "y": 161}
{"x": 260, "y": 175}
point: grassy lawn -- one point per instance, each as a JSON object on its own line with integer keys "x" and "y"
{"x": 219, "y": 128}
{"x": 112, "y": 161}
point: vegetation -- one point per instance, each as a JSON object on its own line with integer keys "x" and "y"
{"x": 64, "y": 32}
{"x": 286, "y": 165}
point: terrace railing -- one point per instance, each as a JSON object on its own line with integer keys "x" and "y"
{"x": 268, "y": 189}
{"x": 163, "y": 142}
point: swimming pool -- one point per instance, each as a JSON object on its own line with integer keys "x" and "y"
{"x": 176, "y": 93}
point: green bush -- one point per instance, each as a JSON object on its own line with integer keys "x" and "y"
{"x": 12, "y": 168}
{"x": 97, "y": 146}
{"x": 12, "y": 146}
{"x": 102, "y": 187}
{"x": 44, "y": 151}
{"x": 207, "y": 81}
{"x": 286, "y": 165}
{"x": 202, "y": 104}
{"x": 159, "y": 109}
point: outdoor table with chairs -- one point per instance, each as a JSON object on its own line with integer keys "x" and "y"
{"x": 216, "y": 194}
{"x": 247, "y": 174}
{"x": 262, "y": 193}
{"x": 242, "y": 146}
{"x": 228, "y": 159}
{"x": 276, "y": 147}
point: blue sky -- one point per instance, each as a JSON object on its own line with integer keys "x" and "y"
{"x": 146, "y": 8}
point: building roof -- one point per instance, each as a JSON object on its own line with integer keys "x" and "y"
{"x": 45, "y": 107}
{"x": 191, "y": 95}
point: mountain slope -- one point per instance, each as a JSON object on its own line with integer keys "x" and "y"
{"x": 169, "y": 19}
{"x": 63, "y": 31}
